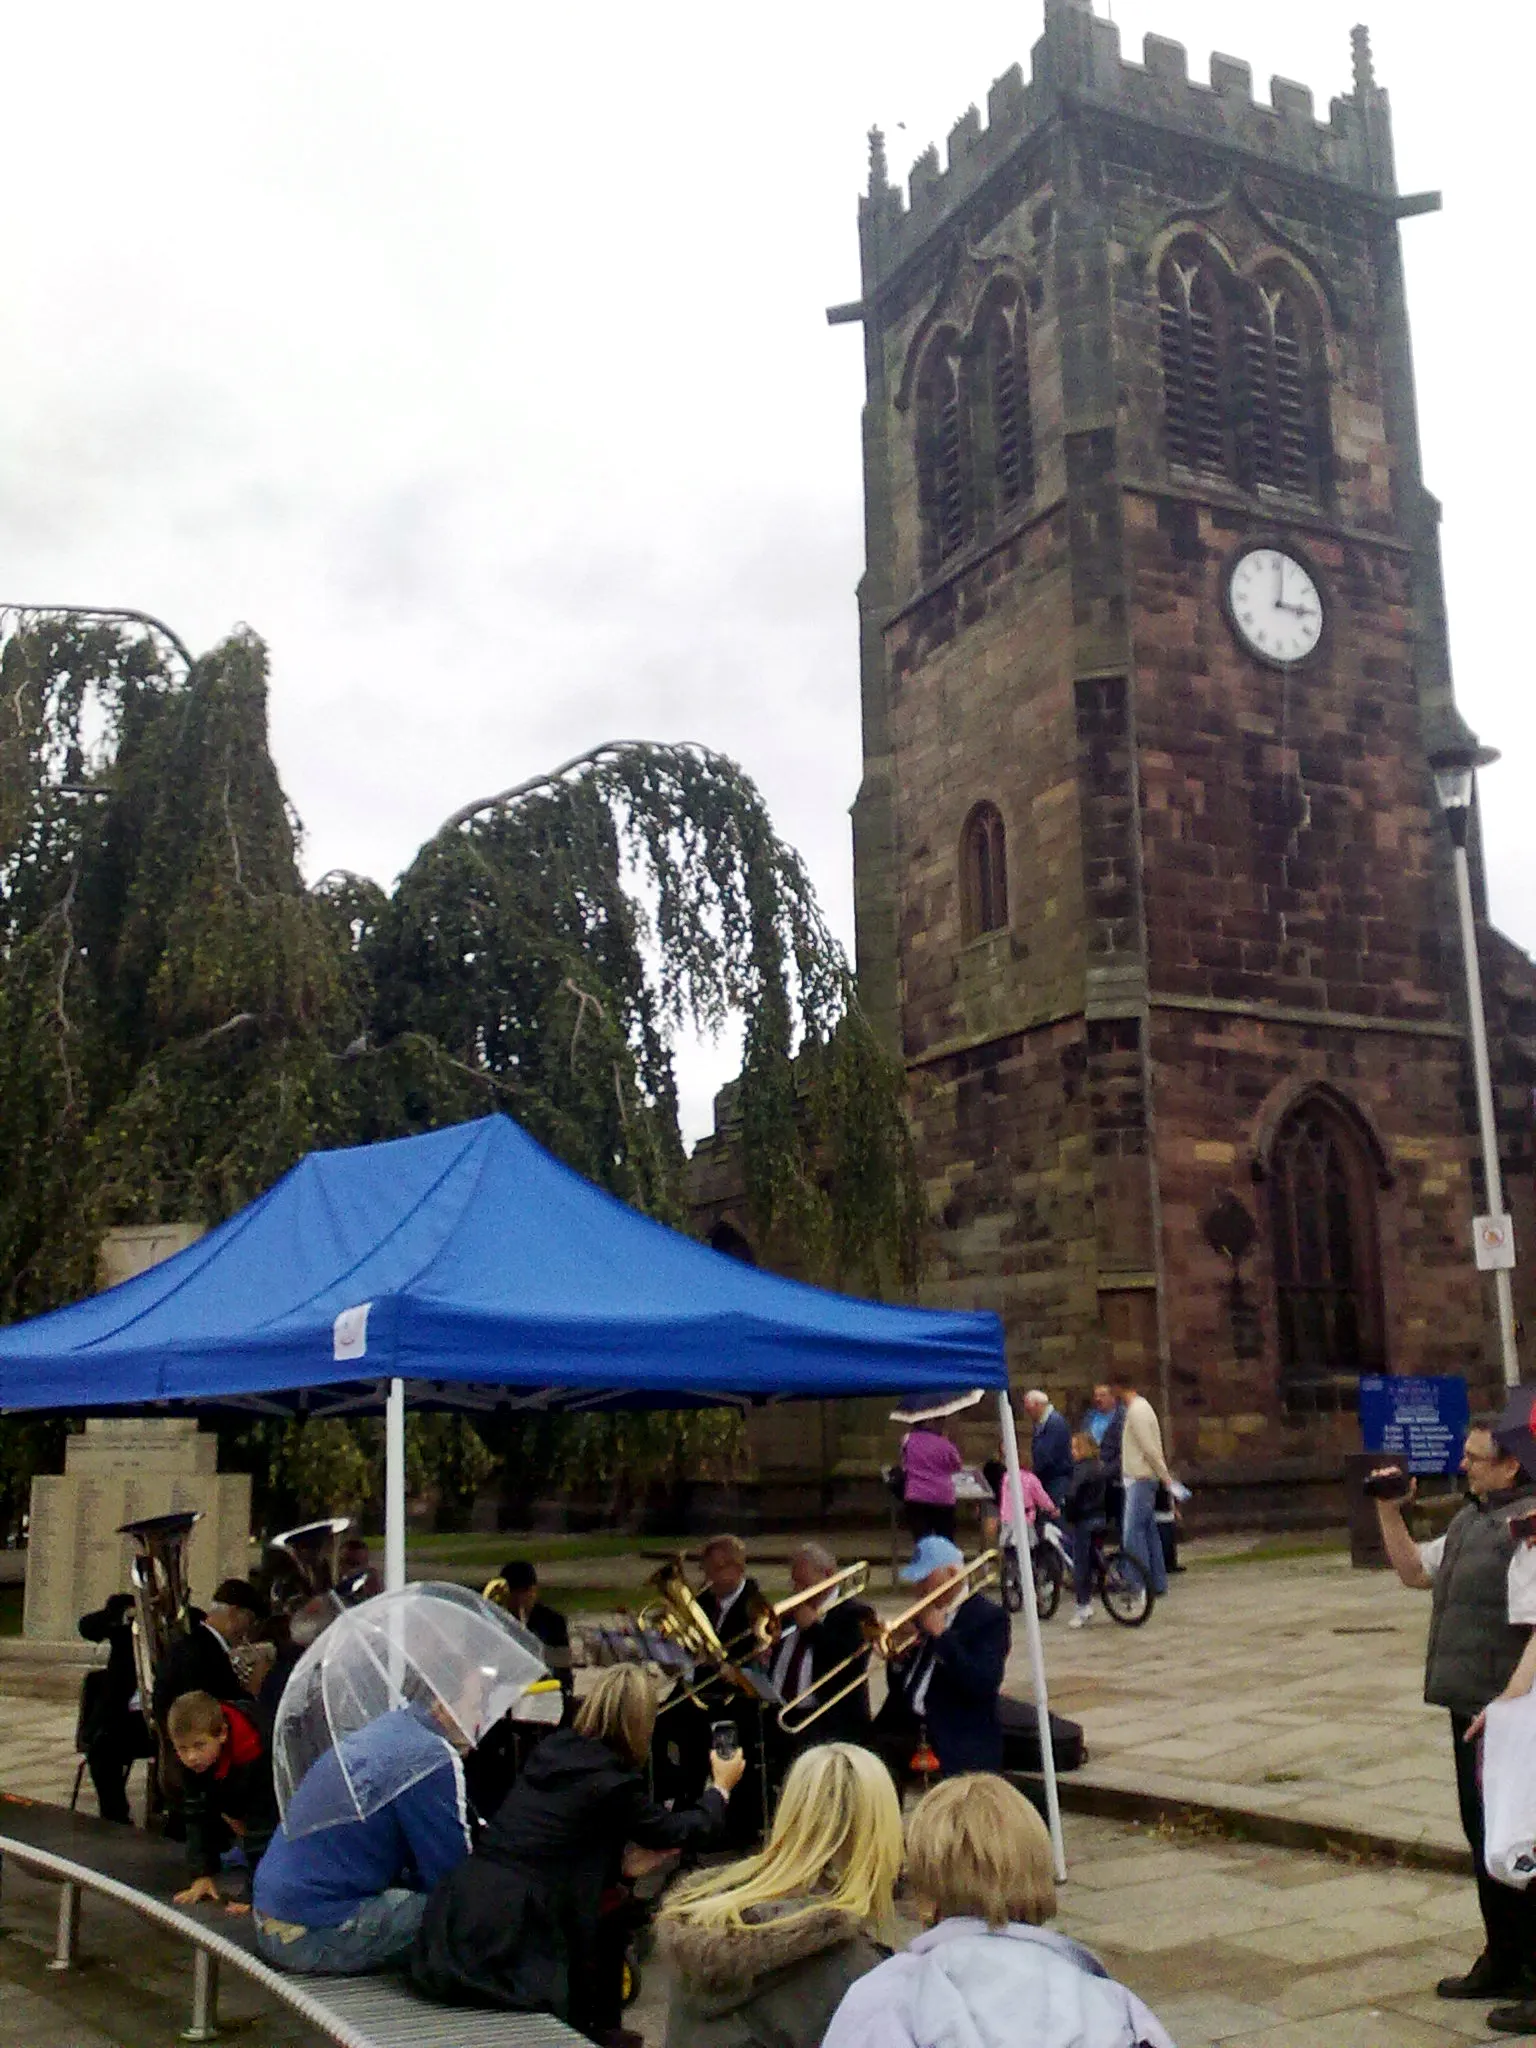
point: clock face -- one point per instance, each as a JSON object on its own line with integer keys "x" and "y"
{"x": 1276, "y": 607}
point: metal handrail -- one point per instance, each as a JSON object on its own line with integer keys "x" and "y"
{"x": 212, "y": 1947}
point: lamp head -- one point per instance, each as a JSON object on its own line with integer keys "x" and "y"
{"x": 1454, "y": 767}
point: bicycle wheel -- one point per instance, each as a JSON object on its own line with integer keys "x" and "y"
{"x": 1047, "y": 1570}
{"x": 1012, "y": 1584}
{"x": 1123, "y": 1588}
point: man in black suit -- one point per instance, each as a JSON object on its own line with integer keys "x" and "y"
{"x": 200, "y": 1661}
{"x": 943, "y": 1692}
{"x": 818, "y": 1639}
{"x": 730, "y": 1601}
{"x": 113, "y": 1733}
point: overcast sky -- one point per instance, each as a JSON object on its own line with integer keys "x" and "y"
{"x": 476, "y": 357}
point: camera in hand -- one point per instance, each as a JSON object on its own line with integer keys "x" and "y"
{"x": 724, "y": 1738}
{"x": 1391, "y": 1484}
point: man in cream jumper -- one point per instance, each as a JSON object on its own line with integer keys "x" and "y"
{"x": 1143, "y": 1468}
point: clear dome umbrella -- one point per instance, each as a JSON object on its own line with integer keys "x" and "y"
{"x": 425, "y": 1660}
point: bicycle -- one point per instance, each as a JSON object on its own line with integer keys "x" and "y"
{"x": 1117, "y": 1578}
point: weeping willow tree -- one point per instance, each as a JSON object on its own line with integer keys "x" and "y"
{"x": 181, "y": 1017}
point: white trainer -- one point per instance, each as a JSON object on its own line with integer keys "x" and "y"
{"x": 1082, "y": 1618}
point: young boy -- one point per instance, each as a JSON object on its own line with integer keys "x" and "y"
{"x": 224, "y": 1752}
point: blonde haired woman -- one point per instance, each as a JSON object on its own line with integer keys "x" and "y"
{"x": 517, "y": 1924}
{"x": 762, "y": 1951}
{"x": 987, "y": 1972}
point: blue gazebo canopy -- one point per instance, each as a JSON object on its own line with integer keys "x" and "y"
{"x": 474, "y": 1266}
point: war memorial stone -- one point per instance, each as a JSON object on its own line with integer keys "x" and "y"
{"x": 122, "y": 1470}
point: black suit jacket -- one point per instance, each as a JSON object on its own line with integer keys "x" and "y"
{"x": 839, "y": 1635}
{"x": 960, "y": 1710}
{"x": 738, "y": 1620}
{"x": 195, "y": 1662}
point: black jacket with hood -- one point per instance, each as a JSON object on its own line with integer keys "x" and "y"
{"x": 515, "y": 1926}
{"x": 774, "y": 1983}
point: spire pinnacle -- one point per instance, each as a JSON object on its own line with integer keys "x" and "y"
{"x": 879, "y": 173}
{"x": 1365, "y": 68}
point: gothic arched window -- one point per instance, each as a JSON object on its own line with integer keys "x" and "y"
{"x": 1327, "y": 1268}
{"x": 1284, "y": 406}
{"x": 983, "y": 873}
{"x": 1193, "y": 330}
{"x": 944, "y": 455}
{"x": 1008, "y": 433}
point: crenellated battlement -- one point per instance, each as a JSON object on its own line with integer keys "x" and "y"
{"x": 1077, "y": 63}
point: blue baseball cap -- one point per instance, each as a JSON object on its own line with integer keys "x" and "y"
{"x": 931, "y": 1555}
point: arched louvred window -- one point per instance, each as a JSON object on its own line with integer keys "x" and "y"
{"x": 1009, "y": 429}
{"x": 1326, "y": 1259}
{"x": 944, "y": 455}
{"x": 983, "y": 873}
{"x": 1196, "y": 375}
{"x": 1285, "y": 409}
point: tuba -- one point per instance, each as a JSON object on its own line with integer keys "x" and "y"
{"x": 162, "y": 1603}
{"x": 313, "y": 1552}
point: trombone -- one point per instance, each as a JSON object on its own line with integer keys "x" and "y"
{"x": 886, "y": 1640}
{"x": 894, "y": 1638}
{"x": 767, "y": 1624}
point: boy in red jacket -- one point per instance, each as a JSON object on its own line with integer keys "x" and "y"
{"x": 229, "y": 1798}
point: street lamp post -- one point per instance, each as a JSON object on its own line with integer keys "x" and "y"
{"x": 1455, "y": 768}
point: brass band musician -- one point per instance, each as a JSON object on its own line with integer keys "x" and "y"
{"x": 733, "y": 1603}
{"x": 821, "y": 1637}
{"x": 942, "y": 1701}
{"x": 548, "y": 1624}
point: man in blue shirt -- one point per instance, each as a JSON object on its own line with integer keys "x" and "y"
{"x": 1051, "y": 1448}
{"x": 340, "y": 1894}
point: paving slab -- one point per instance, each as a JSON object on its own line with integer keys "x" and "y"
{"x": 1284, "y": 1690}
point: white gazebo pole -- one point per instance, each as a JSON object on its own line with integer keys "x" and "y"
{"x": 394, "y": 1488}
{"x": 1032, "y": 1631}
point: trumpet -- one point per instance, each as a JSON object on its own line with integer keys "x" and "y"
{"x": 894, "y": 1638}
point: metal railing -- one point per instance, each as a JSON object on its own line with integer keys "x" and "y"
{"x": 213, "y": 1950}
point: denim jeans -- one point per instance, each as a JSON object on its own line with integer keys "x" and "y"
{"x": 1138, "y": 1533}
{"x": 377, "y": 1937}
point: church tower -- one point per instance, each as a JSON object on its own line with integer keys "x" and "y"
{"x": 1153, "y": 893}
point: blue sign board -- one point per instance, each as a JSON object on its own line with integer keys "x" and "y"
{"x": 1422, "y": 1421}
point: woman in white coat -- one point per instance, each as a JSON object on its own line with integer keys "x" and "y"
{"x": 986, "y": 1973}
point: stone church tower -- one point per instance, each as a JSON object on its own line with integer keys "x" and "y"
{"x": 1153, "y": 894}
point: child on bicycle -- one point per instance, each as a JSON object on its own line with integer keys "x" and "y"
{"x": 1083, "y": 1515}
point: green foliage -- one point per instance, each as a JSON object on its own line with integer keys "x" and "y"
{"x": 323, "y": 1470}
{"x": 181, "y": 1019}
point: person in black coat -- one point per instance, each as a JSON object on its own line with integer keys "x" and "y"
{"x": 1084, "y": 1513}
{"x": 519, "y": 1925}
{"x": 943, "y": 1693}
{"x": 817, "y": 1640}
{"x": 200, "y": 1661}
{"x": 547, "y": 1623}
{"x": 730, "y": 1600}
{"x": 113, "y": 1733}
